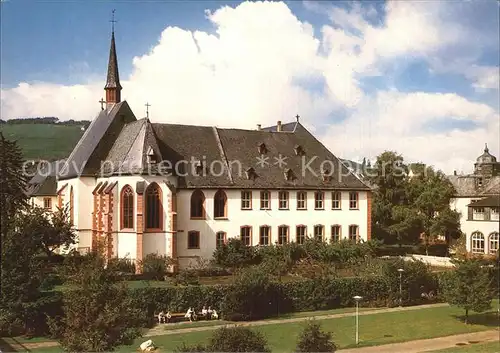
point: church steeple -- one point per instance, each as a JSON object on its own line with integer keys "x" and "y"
{"x": 113, "y": 87}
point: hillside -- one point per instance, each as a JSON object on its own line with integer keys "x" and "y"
{"x": 43, "y": 141}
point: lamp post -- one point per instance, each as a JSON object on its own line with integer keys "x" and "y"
{"x": 400, "y": 270}
{"x": 357, "y": 298}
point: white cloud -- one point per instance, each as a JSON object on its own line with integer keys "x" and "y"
{"x": 247, "y": 73}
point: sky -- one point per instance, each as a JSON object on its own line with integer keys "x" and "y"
{"x": 417, "y": 77}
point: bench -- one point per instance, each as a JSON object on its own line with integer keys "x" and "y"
{"x": 174, "y": 317}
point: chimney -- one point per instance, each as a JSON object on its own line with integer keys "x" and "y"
{"x": 258, "y": 127}
{"x": 278, "y": 127}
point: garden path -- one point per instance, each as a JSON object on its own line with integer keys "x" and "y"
{"x": 431, "y": 344}
{"x": 159, "y": 330}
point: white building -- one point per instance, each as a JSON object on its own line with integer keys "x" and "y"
{"x": 181, "y": 190}
{"x": 478, "y": 202}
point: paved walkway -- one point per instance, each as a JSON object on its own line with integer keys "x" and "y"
{"x": 159, "y": 330}
{"x": 432, "y": 344}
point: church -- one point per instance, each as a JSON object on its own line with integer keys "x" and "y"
{"x": 142, "y": 187}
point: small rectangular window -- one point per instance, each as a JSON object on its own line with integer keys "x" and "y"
{"x": 265, "y": 235}
{"x": 246, "y": 235}
{"x": 353, "y": 233}
{"x": 336, "y": 200}
{"x": 246, "y": 200}
{"x": 301, "y": 234}
{"x": 353, "y": 200}
{"x": 335, "y": 234}
{"x": 220, "y": 239}
{"x": 282, "y": 235}
{"x": 319, "y": 198}
{"x": 283, "y": 200}
{"x": 47, "y": 203}
{"x": 302, "y": 200}
{"x": 193, "y": 240}
{"x": 265, "y": 200}
{"x": 318, "y": 232}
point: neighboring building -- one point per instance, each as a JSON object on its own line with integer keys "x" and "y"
{"x": 42, "y": 187}
{"x": 182, "y": 190}
{"x": 477, "y": 200}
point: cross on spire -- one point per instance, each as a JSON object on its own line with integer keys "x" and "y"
{"x": 102, "y": 101}
{"x": 147, "y": 109}
{"x": 297, "y": 117}
{"x": 113, "y": 21}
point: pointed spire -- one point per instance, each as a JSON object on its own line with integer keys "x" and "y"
{"x": 113, "y": 87}
{"x": 486, "y": 150}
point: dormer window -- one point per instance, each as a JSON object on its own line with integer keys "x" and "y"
{"x": 151, "y": 156}
{"x": 326, "y": 175}
{"x": 288, "y": 174}
{"x": 262, "y": 148}
{"x": 299, "y": 151}
{"x": 250, "y": 172}
{"x": 199, "y": 167}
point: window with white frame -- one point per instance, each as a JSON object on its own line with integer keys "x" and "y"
{"x": 265, "y": 200}
{"x": 246, "y": 235}
{"x": 478, "y": 213}
{"x": 494, "y": 215}
{"x": 47, "y": 203}
{"x": 319, "y": 232}
{"x": 283, "y": 200}
{"x": 336, "y": 199}
{"x": 220, "y": 239}
{"x": 353, "y": 233}
{"x": 282, "y": 235}
{"x": 265, "y": 235}
{"x": 319, "y": 198}
{"x": 302, "y": 200}
{"x": 335, "y": 233}
{"x": 353, "y": 201}
{"x": 494, "y": 240}
{"x": 301, "y": 234}
{"x": 246, "y": 200}
{"x": 477, "y": 240}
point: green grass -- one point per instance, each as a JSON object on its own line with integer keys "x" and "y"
{"x": 490, "y": 347}
{"x": 375, "y": 329}
{"x": 43, "y": 141}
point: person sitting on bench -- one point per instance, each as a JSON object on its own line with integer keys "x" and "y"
{"x": 168, "y": 316}
{"x": 209, "y": 312}
{"x": 215, "y": 315}
{"x": 204, "y": 312}
{"x": 161, "y": 317}
{"x": 189, "y": 314}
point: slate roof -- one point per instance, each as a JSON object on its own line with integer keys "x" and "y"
{"x": 491, "y": 201}
{"x": 44, "y": 182}
{"x": 94, "y": 145}
{"x": 466, "y": 186}
{"x": 113, "y": 77}
{"x": 221, "y": 148}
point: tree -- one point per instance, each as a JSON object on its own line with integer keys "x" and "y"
{"x": 389, "y": 176}
{"x": 429, "y": 193}
{"x": 97, "y": 313}
{"x": 12, "y": 183}
{"x": 313, "y": 339}
{"x": 234, "y": 254}
{"x": 231, "y": 339}
{"x": 469, "y": 287}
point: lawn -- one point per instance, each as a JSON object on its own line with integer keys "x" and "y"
{"x": 490, "y": 347}
{"x": 43, "y": 141}
{"x": 374, "y": 329}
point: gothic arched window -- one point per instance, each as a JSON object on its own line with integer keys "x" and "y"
{"x": 197, "y": 204}
{"x": 127, "y": 209}
{"x": 154, "y": 209}
{"x": 220, "y": 204}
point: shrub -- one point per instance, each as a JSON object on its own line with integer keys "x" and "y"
{"x": 186, "y": 277}
{"x": 156, "y": 265}
{"x": 252, "y": 296}
{"x": 313, "y": 339}
{"x": 234, "y": 254}
{"x": 237, "y": 339}
{"x": 121, "y": 265}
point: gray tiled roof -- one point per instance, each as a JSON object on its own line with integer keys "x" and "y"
{"x": 490, "y": 201}
{"x": 466, "y": 186}
{"x": 113, "y": 78}
{"x": 94, "y": 145}
{"x": 44, "y": 182}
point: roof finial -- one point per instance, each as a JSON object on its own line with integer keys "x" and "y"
{"x": 486, "y": 148}
{"x": 297, "y": 117}
{"x": 102, "y": 101}
{"x": 113, "y": 20}
{"x": 147, "y": 109}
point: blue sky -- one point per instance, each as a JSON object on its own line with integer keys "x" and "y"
{"x": 380, "y": 71}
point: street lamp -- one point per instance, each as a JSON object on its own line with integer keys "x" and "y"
{"x": 400, "y": 270}
{"x": 357, "y": 298}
